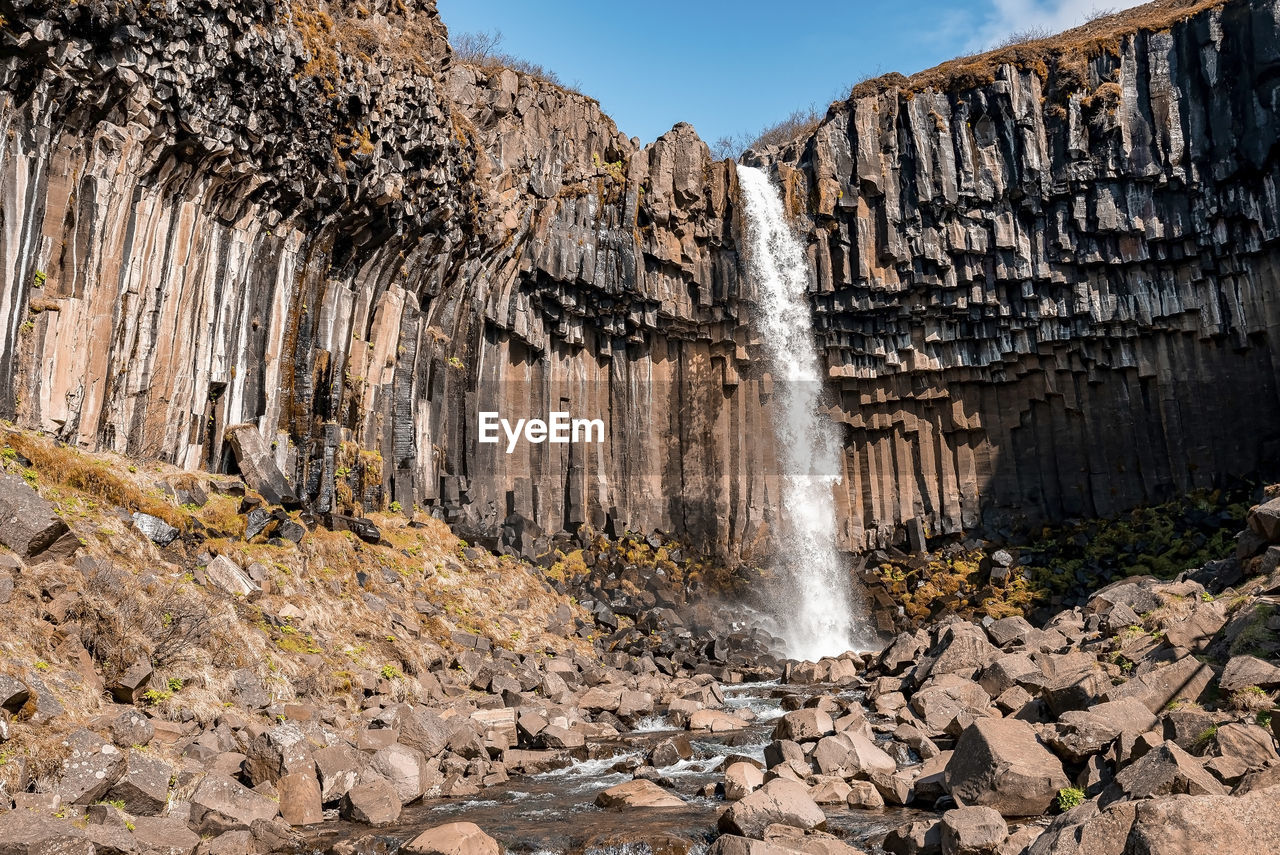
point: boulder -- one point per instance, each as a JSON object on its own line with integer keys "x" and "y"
{"x": 1183, "y": 680}
{"x": 1078, "y": 734}
{"x": 373, "y": 802}
{"x": 225, "y": 575}
{"x": 455, "y": 838}
{"x": 1265, "y": 520}
{"x": 163, "y": 835}
{"x": 155, "y": 529}
{"x": 963, "y": 648}
{"x": 403, "y": 767}
{"x": 741, "y": 779}
{"x": 637, "y": 793}
{"x": 28, "y": 833}
{"x": 13, "y": 693}
{"x": 231, "y": 800}
{"x": 863, "y": 794}
{"x": 30, "y": 526}
{"x": 777, "y": 844}
{"x": 258, "y": 465}
{"x": 1175, "y": 825}
{"x": 830, "y": 791}
{"x": 1248, "y": 744}
{"x": 923, "y": 837}
{"x": 1010, "y": 630}
{"x": 339, "y": 768}
{"x": 779, "y": 801}
{"x": 999, "y": 763}
{"x": 300, "y": 798}
{"x": 806, "y": 725}
{"x": 972, "y": 831}
{"x": 1165, "y": 770}
{"x": 90, "y": 771}
{"x": 715, "y": 721}
{"x": 132, "y": 728}
{"x": 144, "y": 786}
{"x": 129, "y": 687}
{"x": 670, "y": 751}
{"x": 1243, "y": 672}
{"x": 949, "y": 704}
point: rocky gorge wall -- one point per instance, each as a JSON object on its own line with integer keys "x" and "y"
{"x": 1043, "y": 292}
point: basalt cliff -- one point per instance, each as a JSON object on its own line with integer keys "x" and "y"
{"x": 1045, "y": 278}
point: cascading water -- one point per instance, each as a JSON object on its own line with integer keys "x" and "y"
{"x": 819, "y": 617}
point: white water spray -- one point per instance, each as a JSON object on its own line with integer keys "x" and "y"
{"x": 819, "y": 619}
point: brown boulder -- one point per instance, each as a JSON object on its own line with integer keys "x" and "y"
{"x": 455, "y": 838}
{"x": 374, "y": 802}
{"x": 779, "y": 801}
{"x": 972, "y": 831}
{"x": 805, "y": 725}
{"x": 300, "y": 798}
{"x": 30, "y": 525}
{"x": 999, "y": 763}
{"x": 637, "y": 793}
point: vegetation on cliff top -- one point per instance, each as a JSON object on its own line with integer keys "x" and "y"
{"x": 1061, "y": 58}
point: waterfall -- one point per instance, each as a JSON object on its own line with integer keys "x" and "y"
{"x": 816, "y": 615}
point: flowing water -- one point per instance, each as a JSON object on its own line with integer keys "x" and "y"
{"x": 553, "y": 813}
{"x": 821, "y": 616}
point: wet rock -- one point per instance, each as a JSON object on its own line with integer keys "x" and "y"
{"x": 637, "y": 794}
{"x": 779, "y": 801}
{"x": 670, "y": 751}
{"x": 998, "y": 763}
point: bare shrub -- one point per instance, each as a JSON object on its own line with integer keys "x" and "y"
{"x": 484, "y": 50}
{"x": 798, "y": 124}
{"x": 1033, "y": 34}
{"x": 124, "y": 622}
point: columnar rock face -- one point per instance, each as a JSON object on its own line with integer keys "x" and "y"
{"x": 1040, "y": 291}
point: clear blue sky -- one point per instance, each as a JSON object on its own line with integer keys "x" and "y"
{"x": 733, "y": 67}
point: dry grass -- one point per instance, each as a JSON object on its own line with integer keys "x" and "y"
{"x": 1062, "y": 60}
{"x": 90, "y": 476}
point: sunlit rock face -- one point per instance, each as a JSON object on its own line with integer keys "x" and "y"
{"x": 1033, "y": 303}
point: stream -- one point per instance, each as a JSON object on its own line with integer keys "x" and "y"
{"x": 553, "y": 813}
